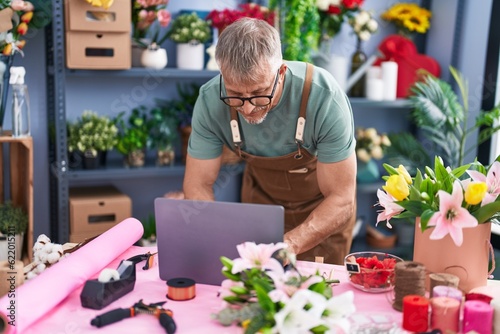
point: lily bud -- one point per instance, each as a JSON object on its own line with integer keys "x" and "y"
{"x": 20, "y": 44}
{"x": 7, "y": 50}
{"x": 22, "y": 28}
{"x": 26, "y": 17}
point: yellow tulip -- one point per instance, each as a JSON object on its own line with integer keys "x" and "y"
{"x": 403, "y": 172}
{"x": 475, "y": 192}
{"x": 397, "y": 187}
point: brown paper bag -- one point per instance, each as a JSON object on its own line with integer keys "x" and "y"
{"x": 469, "y": 261}
{"x": 6, "y": 19}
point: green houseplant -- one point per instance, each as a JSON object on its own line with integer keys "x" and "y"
{"x": 13, "y": 222}
{"x": 133, "y": 135}
{"x": 163, "y": 133}
{"x": 299, "y": 27}
{"x": 442, "y": 121}
{"x": 190, "y": 33}
{"x": 91, "y": 135}
{"x": 182, "y": 108}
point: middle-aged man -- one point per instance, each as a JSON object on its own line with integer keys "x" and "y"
{"x": 292, "y": 126}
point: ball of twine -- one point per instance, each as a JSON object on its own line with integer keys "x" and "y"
{"x": 409, "y": 279}
{"x": 442, "y": 279}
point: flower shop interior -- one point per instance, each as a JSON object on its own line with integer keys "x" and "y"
{"x": 50, "y": 177}
{"x": 462, "y": 40}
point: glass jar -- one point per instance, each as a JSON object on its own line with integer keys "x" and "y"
{"x": 358, "y": 59}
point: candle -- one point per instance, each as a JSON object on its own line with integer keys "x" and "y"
{"x": 445, "y": 313}
{"x": 495, "y": 303}
{"x": 375, "y": 89}
{"x": 390, "y": 79}
{"x": 478, "y": 296}
{"x": 478, "y": 316}
{"x": 415, "y": 313}
{"x": 447, "y": 291}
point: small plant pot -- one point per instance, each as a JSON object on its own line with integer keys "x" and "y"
{"x": 135, "y": 158}
{"x": 165, "y": 157}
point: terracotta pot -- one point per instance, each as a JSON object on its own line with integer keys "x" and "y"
{"x": 469, "y": 261}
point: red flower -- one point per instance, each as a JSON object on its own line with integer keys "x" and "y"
{"x": 221, "y": 19}
{"x": 334, "y": 10}
{"x": 352, "y": 4}
{"x": 374, "y": 273}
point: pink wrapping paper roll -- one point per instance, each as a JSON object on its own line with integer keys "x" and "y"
{"x": 36, "y": 297}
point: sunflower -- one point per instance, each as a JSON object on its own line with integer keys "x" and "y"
{"x": 408, "y": 17}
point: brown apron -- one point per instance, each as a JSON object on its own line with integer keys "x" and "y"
{"x": 291, "y": 181}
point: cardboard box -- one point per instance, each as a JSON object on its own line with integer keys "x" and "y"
{"x": 81, "y": 16}
{"x": 94, "y": 50}
{"x": 94, "y": 210}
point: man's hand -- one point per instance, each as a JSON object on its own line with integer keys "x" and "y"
{"x": 179, "y": 194}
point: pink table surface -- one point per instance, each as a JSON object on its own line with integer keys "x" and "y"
{"x": 193, "y": 316}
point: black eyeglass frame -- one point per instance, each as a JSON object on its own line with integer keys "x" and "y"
{"x": 249, "y": 99}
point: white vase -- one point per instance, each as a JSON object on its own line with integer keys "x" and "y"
{"x": 137, "y": 49}
{"x": 155, "y": 58}
{"x": 211, "y": 63}
{"x": 190, "y": 56}
{"x": 7, "y": 248}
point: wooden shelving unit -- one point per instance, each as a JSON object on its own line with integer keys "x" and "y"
{"x": 21, "y": 181}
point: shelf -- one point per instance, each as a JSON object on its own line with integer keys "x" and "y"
{"x": 397, "y": 104}
{"x": 115, "y": 170}
{"x": 138, "y": 72}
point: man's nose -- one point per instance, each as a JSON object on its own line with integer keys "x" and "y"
{"x": 246, "y": 108}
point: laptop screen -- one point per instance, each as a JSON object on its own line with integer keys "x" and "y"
{"x": 193, "y": 235}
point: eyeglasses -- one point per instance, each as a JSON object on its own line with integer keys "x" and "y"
{"x": 257, "y": 101}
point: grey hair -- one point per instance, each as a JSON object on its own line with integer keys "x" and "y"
{"x": 247, "y": 49}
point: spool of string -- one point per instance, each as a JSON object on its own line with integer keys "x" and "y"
{"x": 442, "y": 279}
{"x": 409, "y": 279}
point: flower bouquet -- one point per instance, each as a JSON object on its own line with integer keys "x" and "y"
{"x": 220, "y": 19}
{"x": 262, "y": 297}
{"x": 447, "y": 199}
{"x": 147, "y": 14}
{"x": 370, "y": 144}
{"x": 409, "y": 18}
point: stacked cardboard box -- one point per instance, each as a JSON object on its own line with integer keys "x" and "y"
{"x": 97, "y": 38}
{"x": 94, "y": 210}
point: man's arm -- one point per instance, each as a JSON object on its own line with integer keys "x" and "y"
{"x": 200, "y": 177}
{"x": 337, "y": 182}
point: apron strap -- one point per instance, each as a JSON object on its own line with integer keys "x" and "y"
{"x": 301, "y": 121}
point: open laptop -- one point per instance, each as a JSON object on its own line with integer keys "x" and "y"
{"x": 193, "y": 235}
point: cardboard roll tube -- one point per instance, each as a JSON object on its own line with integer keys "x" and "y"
{"x": 181, "y": 289}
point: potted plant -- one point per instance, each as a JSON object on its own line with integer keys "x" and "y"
{"x": 182, "y": 108}
{"x": 133, "y": 136}
{"x": 92, "y": 136}
{"x": 163, "y": 132}
{"x": 190, "y": 32}
{"x": 147, "y": 15}
{"x": 13, "y": 222}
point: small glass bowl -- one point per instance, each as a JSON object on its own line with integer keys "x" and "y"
{"x": 371, "y": 271}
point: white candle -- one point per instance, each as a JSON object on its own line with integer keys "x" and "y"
{"x": 339, "y": 69}
{"x": 495, "y": 303}
{"x": 390, "y": 79}
{"x": 375, "y": 89}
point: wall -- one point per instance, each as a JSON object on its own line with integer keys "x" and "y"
{"x": 471, "y": 62}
